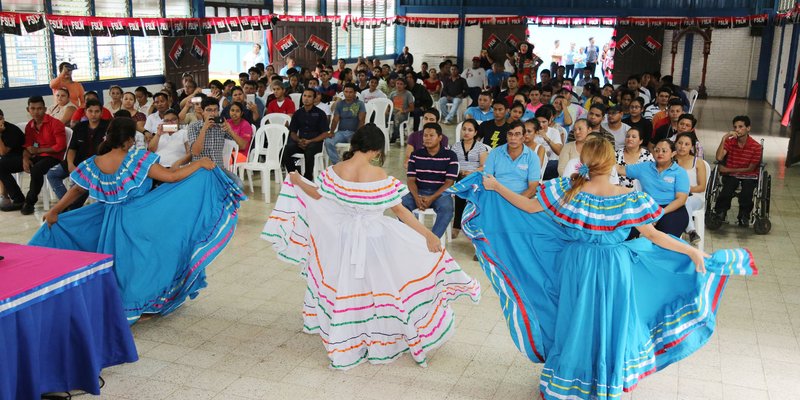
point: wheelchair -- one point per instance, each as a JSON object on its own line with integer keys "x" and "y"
{"x": 759, "y": 217}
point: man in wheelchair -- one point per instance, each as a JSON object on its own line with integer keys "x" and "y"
{"x": 739, "y": 157}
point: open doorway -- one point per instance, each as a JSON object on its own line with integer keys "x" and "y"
{"x": 574, "y": 46}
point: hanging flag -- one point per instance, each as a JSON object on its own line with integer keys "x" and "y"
{"x": 150, "y": 26}
{"x": 317, "y": 45}
{"x": 221, "y": 24}
{"x": 624, "y": 44}
{"x": 608, "y": 21}
{"x": 287, "y": 45}
{"x": 491, "y": 42}
{"x": 546, "y": 21}
{"x": 33, "y": 22}
{"x": 266, "y": 22}
{"x": 640, "y": 22}
{"x": 193, "y": 27}
{"x": 176, "y": 52}
{"x": 164, "y": 27}
{"x": 672, "y": 23}
{"x": 512, "y": 41}
{"x": 207, "y": 27}
{"x": 688, "y": 22}
{"x": 705, "y": 22}
{"x": 651, "y": 45}
{"x": 624, "y": 22}
{"x": 199, "y": 50}
{"x": 58, "y": 25}
{"x": 77, "y": 26}
{"x": 233, "y": 24}
{"x": 255, "y": 23}
{"x": 593, "y": 21}
{"x": 760, "y": 20}
{"x": 562, "y": 21}
{"x": 722, "y": 22}
{"x": 244, "y": 23}
{"x": 11, "y": 23}
{"x": 97, "y": 27}
{"x": 115, "y": 26}
{"x": 656, "y": 22}
{"x": 134, "y": 26}
{"x": 741, "y": 22}
{"x": 178, "y": 27}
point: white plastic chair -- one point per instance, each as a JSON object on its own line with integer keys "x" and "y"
{"x": 405, "y": 130}
{"x": 296, "y": 98}
{"x": 276, "y": 118}
{"x": 276, "y": 135}
{"x": 700, "y": 215}
{"x": 692, "y": 96}
{"x": 379, "y": 108}
{"x": 319, "y": 161}
{"x": 448, "y": 233}
{"x": 48, "y": 189}
{"x": 229, "y": 152}
{"x": 458, "y": 131}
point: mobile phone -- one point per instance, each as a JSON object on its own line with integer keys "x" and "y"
{"x": 197, "y": 100}
{"x": 206, "y": 91}
{"x": 170, "y": 128}
{"x": 251, "y": 98}
{"x": 217, "y": 120}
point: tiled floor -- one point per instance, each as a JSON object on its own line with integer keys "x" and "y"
{"x": 241, "y": 339}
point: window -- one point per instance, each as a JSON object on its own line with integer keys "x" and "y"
{"x": 178, "y": 8}
{"x": 356, "y": 42}
{"x": 785, "y": 5}
{"x": 146, "y": 8}
{"x": 75, "y": 50}
{"x": 113, "y": 58}
{"x": 23, "y": 5}
{"x": 28, "y": 58}
{"x": 148, "y": 51}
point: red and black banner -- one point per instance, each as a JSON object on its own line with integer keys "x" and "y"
{"x": 651, "y": 45}
{"x": 624, "y": 44}
{"x": 492, "y": 42}
{"x": 287, "y": 45}
{"x": 11, "y": 23}
{"x": 176, "y": 52}
{"x": 317, "y": 45}
{"x": 198, "y": 50}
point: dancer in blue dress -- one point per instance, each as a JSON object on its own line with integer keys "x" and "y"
{"x": 162, "y": 239}
{"x": 599, "y": 312}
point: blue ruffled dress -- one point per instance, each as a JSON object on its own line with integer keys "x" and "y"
{"x": 162, "y": 240}
{"x": 599, "y": 312}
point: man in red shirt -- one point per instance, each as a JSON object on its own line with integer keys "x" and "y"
{"x": 739, "y": 156}
{"x": 45, "y": 142}
{"x": 80, "y": 114}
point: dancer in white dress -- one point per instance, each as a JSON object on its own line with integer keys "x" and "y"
{"x": 376, "y": 287}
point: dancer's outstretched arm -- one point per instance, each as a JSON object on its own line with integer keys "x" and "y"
{"x": 310, "y": 190}
{"x": 670, "y": 243}
{"x": 434, "y": 244}
{"x": 518, "y": 200}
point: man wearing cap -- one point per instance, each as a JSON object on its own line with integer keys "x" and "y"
{"x": 64, "y": 79}
{"x": 476, "y": 80}
{"x": 613, "y": 124}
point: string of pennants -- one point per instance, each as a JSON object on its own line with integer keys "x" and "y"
{"x": 65, "y": 25}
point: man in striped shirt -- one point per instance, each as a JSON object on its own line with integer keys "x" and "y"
{"x": 740, "y": 156}
{"x": 431, "y": 170}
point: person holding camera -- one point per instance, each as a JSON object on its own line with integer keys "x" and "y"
{"x": 207, "y": 137}
{"x": 171, "y": 143}
{"x": 64, "y": 80}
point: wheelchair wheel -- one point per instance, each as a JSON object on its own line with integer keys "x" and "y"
{"x": 762, "y": 226}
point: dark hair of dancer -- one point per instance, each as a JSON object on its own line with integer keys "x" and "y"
{"x": 367, "y": 138}
{"x": 119, "y": 131}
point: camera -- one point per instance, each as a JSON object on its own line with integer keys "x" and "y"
{"x": 217, "y": 120}
{"x": 169, "y": 128}
{"x": 197, "y": 100}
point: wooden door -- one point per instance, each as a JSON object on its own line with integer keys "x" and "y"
{"x": 301, "y": 31}
{"x": 187, "y": 62}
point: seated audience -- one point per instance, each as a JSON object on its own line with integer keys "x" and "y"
{"x": 161, "y": 105}
{"x": 740, "y": 157}
{"x": 192, "y": 110}
{"x": 532, "y": 128}
{"x": 668, "y": 130}
{"x": 686, "y": 124}
{"x": 635, "y": 120}
{"x": 551, "y": 139}
{"x": 454, "y": 91}
{"x": 515, "y": 165}
{"x": 659, "y": 104}
{"x": 86, "y": 137}
{"x": 572, "y": 150}
{"x": 12, "y": 141}
{"x": 696, "y": 171}
{"x": 433, "y": 84}
{"x": 207, "y": 138}
{"x": 614, "y": 125}
{"x": 241, "y": 128}
{"x": 493, "y": 133}
{"x": 414, "y": 141}
{"x": 64, "y": 80}
{"x": 79, "y": 114}
{"x": 471, "y": 154}
{"x": 172, "y": 145}
{"x": 45, "y": 142}
{"x": 483, "y": 111}
{"x": 115, "y": 102}
{"x": 281, "y": 103}
{"x": 348, "y": 116}
{"x": 143, "y": 100}
{"x": 62, "y": 109}
{"x": 422, "y": 99}
{"x": 403, "y": 102}
{"x": 476, "y": 79}
{"x": 251, "y": 110}
{"x": 372, "y": 91}
{"x": 634, "y": 152}
{"x": 667, "y": 183}
{"x": 129, "y": 105}
{"x": 431, "y": 171}
{"x": 250, "y": 89}
{"x": 307, "y": 130}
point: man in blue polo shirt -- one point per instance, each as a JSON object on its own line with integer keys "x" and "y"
{"x": 515, "y": 165}
{"x": 431, "y": 170}
{"x": 483, "y": 112}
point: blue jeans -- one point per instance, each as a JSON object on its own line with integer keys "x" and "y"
{"x": 56, "y": 176}
{"x": 443, "y": 207}
{"x": 330, "y": 144}
{"x": 443, "y": 107}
